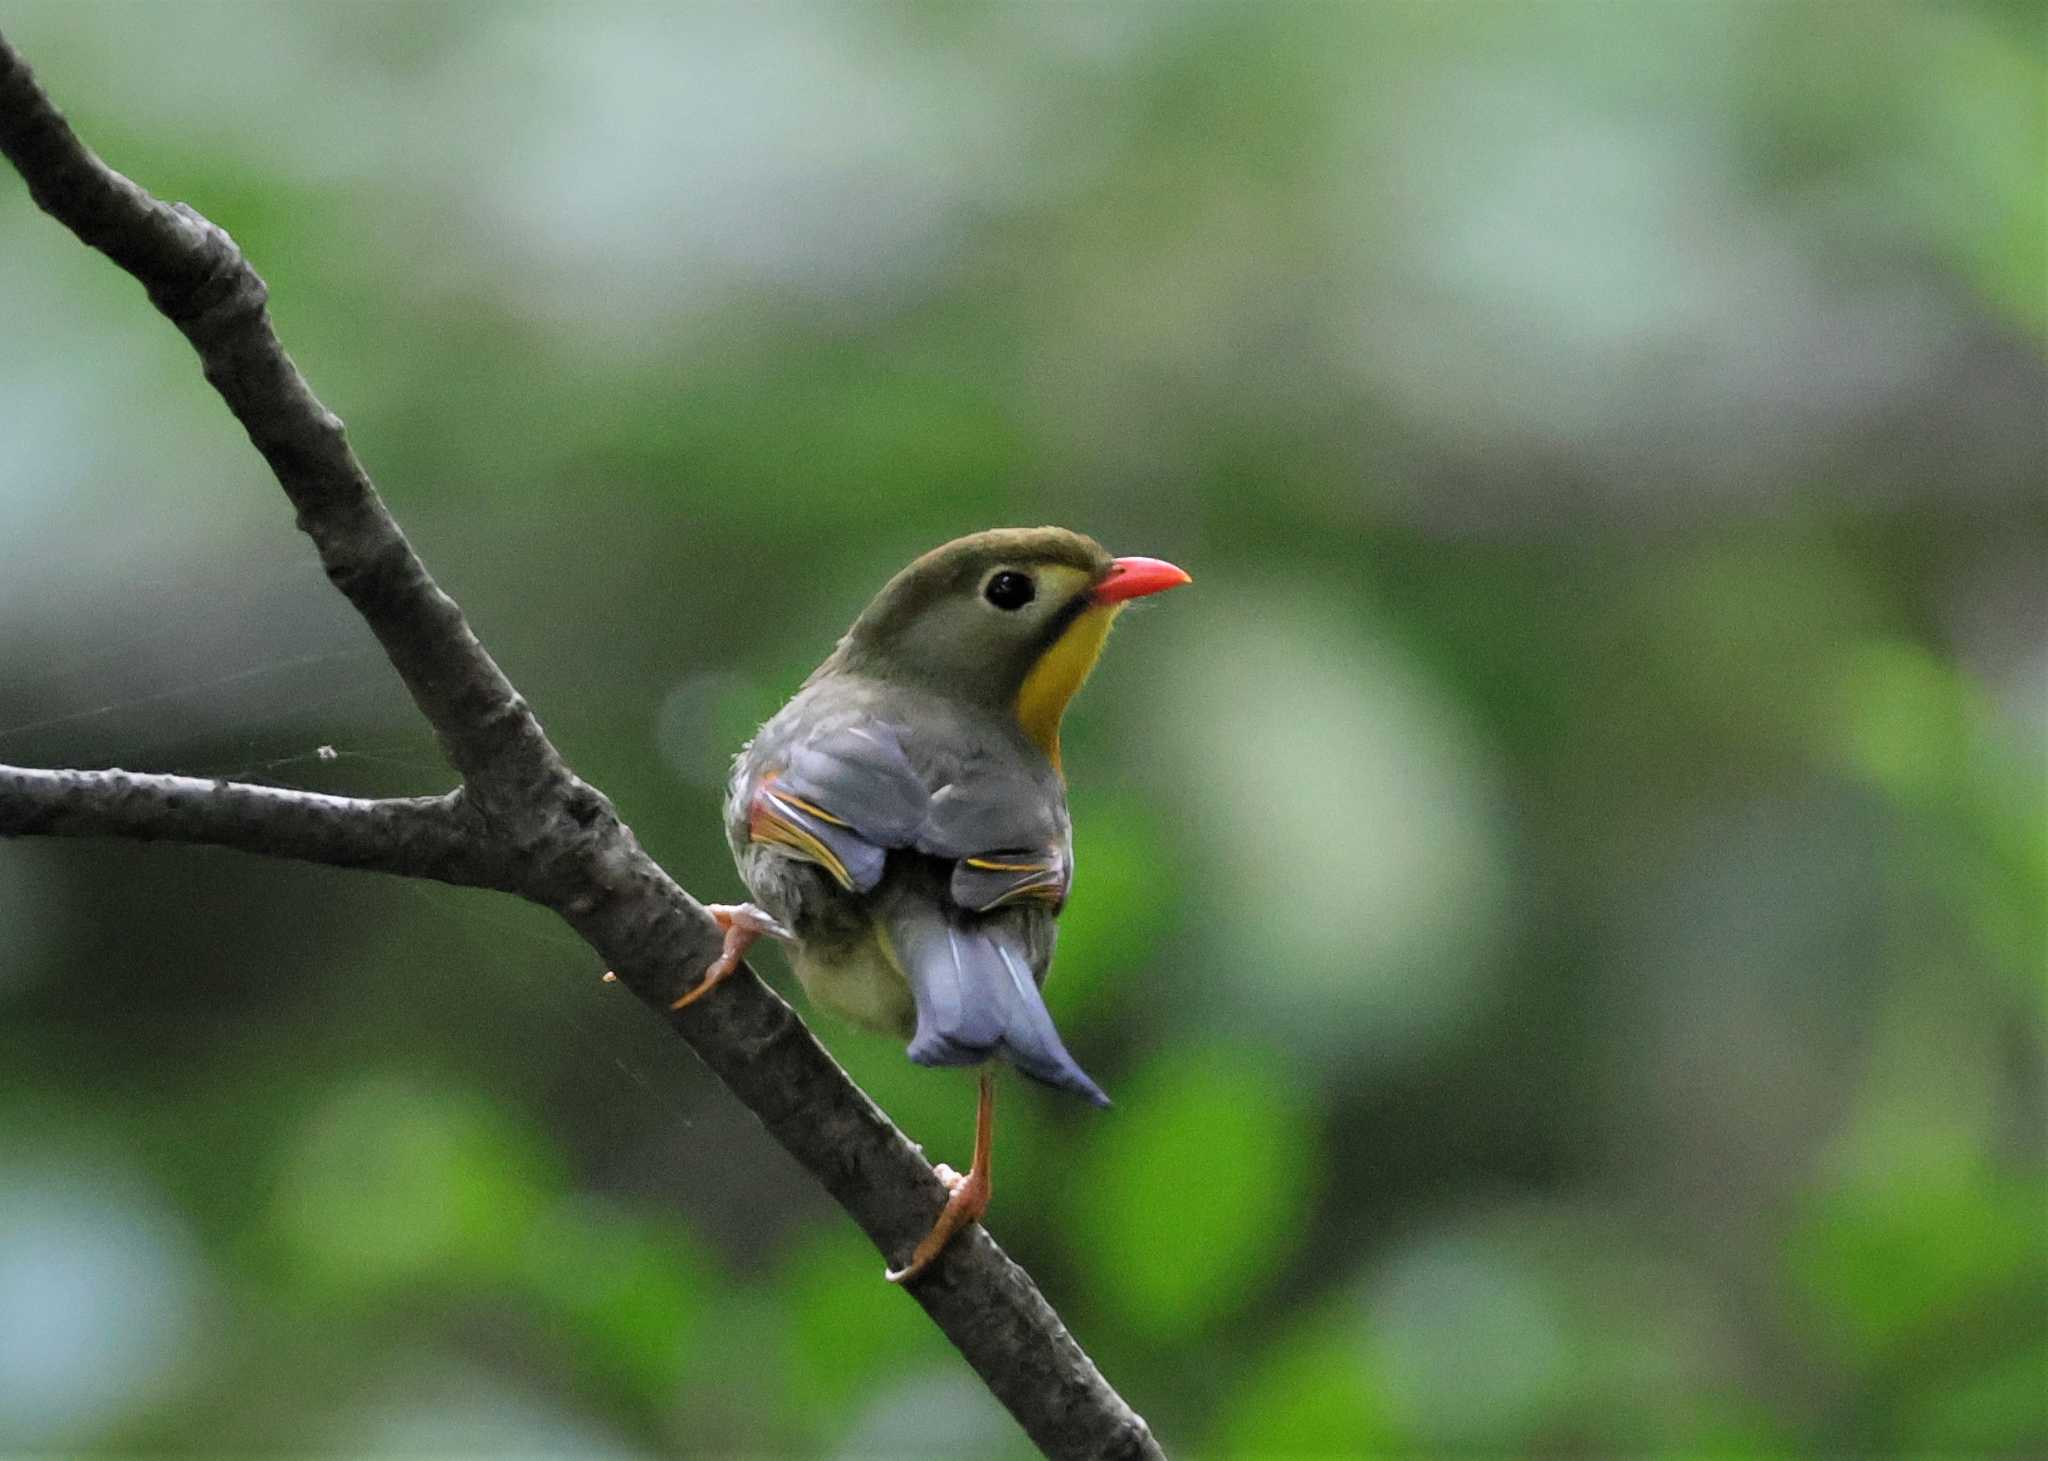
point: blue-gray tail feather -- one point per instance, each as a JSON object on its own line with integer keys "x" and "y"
{"x": 976, "y": 998}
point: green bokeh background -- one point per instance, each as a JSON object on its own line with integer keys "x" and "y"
{"x": 1561, "y": 900}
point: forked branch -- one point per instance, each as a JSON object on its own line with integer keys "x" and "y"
{"x": 521, "y": 820}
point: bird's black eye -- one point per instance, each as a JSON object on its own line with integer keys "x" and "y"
{"x": 1009, "y": 590}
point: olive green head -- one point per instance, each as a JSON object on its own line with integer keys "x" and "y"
{"x": 1011, "y": 618}
{"x": 973, "y": 616}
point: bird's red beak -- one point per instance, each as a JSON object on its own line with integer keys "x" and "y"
{"x": 1133, "y": 578}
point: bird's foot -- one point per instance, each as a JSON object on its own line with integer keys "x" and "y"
{"x": 967, "y": 1201}
{"x": 743, "y": 923}
{"x": 750, "y": 916}
{"x": 966, "y": 1197}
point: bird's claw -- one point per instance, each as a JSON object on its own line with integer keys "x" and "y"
{"x": 743, "y": 923}
{"x": 754, "y": 918}
{"x": 966, "y": 1197}
{"x": 966, "y": 1200}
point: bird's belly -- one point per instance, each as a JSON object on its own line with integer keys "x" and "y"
{"x": 861, "y": 983}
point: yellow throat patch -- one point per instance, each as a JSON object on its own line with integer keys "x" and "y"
{"x": 1058, "y": 674}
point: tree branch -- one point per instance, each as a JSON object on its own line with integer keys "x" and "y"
{"x": 522, "y": 820}
{"x": 418, "y": 837}
{"x": 199, "y": 280}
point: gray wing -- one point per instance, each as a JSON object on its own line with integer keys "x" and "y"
{"x": 973, "y": 940}
{"x": 1007, "y": 841}
{"x": 843, "y": 800}
{"x": 847, "y": 797}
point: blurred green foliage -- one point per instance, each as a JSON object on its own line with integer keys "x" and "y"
{"x": 1562, "y": 902}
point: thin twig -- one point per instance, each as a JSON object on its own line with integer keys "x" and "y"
{"x": 418, "y": 837}
{"x": 537, "y": 829}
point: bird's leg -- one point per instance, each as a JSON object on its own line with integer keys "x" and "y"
{"x": 969, "y": 1195}
{"x": 743, "y": 923}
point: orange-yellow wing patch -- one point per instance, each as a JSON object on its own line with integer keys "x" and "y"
{"x": 991, "y": 879}
{"x": 779, "y": 817}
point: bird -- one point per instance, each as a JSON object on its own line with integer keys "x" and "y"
{"x": 901, "y": 824}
